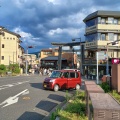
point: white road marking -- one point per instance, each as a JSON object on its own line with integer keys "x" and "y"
{"x": 11, "y": 85}
{"x": 12, "y": 100}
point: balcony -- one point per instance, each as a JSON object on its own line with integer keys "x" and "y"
{"x": 104, "y": 28}
{"x": 101, "y": 43}
{"x": 109, "y": 27}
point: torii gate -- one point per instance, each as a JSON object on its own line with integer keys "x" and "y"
{"x": 71, "y": 44}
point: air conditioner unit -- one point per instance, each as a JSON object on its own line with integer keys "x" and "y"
{"x": 91, "y": 89}
{"x": 103, "y": 106}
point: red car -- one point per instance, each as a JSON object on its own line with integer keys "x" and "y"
{"x": 63, "y": 79}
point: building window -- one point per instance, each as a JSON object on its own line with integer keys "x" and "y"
{"x": 110, "y": 20}
{"x": 103, "y": 21}
{"x": 99, "y": 36}
{"x": 112, "y": 36}
{"x": 115, "y": 37}
{"x": 47, "y": 53}
{"x": 91, "y": 22}
{"x": 115, "y": 21}
{"x": 99, "y": 20}
{"x": 102, "y": 36}
{"x": 91, "y": 37}
{"x": 2, "y": 57}
{"x": 3, "y": 46}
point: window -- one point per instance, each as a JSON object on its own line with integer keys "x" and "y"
{"x": 99, "y": 20}
{"x": 3, "y": 46}
{"x": 91, "y": 37}
{"x": 111, "y": 36}
{"x": 72, "y": 74}
{"x": 65, "y": 74}
{"x": 77, "y": 75}
{"x": 115, "y": 21}
{"x": 103, "y": 21}
{"x": 47, "y": 53}
{"x": 2, "y": 57}
{"x": 102, "y": 36}
{"x": 115, "y": 37}
{"x": 91, "y": 22}
{"x": 110, "y": 20}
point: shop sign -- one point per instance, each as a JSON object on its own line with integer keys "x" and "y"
{"x": 115, "y": 61}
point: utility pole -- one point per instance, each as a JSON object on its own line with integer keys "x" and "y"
{"x": 27, "y": 57}
{"x": 107, "y": 64}
{"x": 26, "y": 60}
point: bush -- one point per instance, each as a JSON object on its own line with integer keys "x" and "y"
{"x": 2, "y": 69}
{"x": 105, "y": 86}
{"x": 74, "y": 110}
{"x": 14, "y": 68}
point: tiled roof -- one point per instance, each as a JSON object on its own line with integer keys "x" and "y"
{"x": 52, "y": 58}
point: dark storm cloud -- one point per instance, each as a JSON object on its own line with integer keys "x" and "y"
{"x": 41, "y": 22}
{"x": 107, "y": 3}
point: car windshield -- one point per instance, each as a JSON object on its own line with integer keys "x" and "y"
{"x": 56, "y": 74}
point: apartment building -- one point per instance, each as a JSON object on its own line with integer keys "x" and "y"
{"x": 102, "y": 28}
{"x": 10, "y": 49}
{"x": 48, "y": 52}
{"x": 31, "y": 59}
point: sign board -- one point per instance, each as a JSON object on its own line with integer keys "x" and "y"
{"x": 115, "y": 61}
{"x": 101, "y": 55}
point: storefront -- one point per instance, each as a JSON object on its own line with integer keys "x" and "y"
{"x": 90, "y": 71}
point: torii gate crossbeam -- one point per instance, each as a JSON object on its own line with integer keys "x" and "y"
{"x": 71, "y": 44}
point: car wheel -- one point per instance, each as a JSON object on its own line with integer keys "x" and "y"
{"x": 77, "y": 87}
{"x": 56, "y": 88}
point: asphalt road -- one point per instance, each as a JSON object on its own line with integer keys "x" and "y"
{"x": 23, "y": 98}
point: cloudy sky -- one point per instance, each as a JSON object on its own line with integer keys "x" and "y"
{"x": 40, "y": 22}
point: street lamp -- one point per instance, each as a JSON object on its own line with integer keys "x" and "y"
{"x": 26, "y": 57}
{"x": 107, "y": 63}
{"x": 80, "y": 52}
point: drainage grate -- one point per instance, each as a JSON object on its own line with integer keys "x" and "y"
{"x": 115, "y": 115}
{"x": 101, "y": 114}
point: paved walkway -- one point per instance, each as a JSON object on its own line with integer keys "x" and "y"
{"x": 85, "y": 79}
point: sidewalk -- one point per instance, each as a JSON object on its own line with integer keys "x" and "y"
{"x": 85, "y": 79}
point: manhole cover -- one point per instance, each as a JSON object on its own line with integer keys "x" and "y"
{"x": 26, "y": 98}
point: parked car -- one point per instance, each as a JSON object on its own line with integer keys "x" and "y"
{"x": 63, "y": 79}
